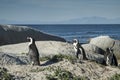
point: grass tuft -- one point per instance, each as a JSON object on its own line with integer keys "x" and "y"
{"x": 4, "y": 75}
{"x": 115, "y": 77}
{"x": 60, "y": 74}
{"x": 59, "y": 57}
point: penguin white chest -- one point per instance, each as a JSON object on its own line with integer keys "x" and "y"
{"x": 75, "y": 46}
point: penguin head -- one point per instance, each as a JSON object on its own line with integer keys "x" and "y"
{"x": 31, "y": 40}
{"x": 109, "y": 50}
{"x": 75, "y": 42}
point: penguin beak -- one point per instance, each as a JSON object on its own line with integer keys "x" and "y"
{"x": 74, "y": 41}
{"x": 28, "y": 38}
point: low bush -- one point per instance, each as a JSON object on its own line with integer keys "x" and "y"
{"x": 59, "y": 57}
{"x": 4, "y": 75}
{"x": 60, "y": 74}
{"x": 115, "y": 77}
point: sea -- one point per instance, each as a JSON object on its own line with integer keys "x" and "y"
{"x": 82, "y": 32}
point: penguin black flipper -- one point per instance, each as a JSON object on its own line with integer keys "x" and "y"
{"x": 114, "y": 61}
{"x": 83, "y": 51}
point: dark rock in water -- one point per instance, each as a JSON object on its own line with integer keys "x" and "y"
{"x": 6, "y": 59}
{"x": 10, "y": 34}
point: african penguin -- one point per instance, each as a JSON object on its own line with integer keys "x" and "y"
{"x": 110, "y": 58}
{"x": 79, "y": 49}
{"x": 33, "y": 53}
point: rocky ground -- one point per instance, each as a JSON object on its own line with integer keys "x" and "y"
{"x": 14, "y": 59}
{"x": 87, "y": 70}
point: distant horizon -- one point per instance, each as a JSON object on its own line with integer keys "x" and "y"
{"x": 73, "y": 21}
{"x": 63, "y": 24}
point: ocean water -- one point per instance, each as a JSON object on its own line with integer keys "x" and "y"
{"x": 81, "y": 32}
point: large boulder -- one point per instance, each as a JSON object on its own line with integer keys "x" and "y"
{"x": 10, "y": 34}
{"x": 92, "y": 49}
{"x": 97, "y": 54}
{"x": 94, "y": 53}
{"x": 45, "y": 48}
{"x": 106, "y": 42}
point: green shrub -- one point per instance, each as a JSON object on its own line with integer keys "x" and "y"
{"x": 57, "y": 58}
{"x": 51, "y": 77}
{"x": 61, "y": 57}
{"x": 115, "y": 77}
{"x": 4, "y": 75}
{"x": 60, "y": 74}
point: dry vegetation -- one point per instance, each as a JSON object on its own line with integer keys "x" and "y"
{"x": 63, "y": 67}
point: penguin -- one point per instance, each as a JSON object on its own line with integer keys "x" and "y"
{"x": 79, "y": 49}
{"x": 33, "y": 53}
{"x": 110, "y": 57}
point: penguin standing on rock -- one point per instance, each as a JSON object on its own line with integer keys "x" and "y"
{"x": 79, "y": 49}
{"x": 33, "y": 53}
{"x": 110, "y": 57}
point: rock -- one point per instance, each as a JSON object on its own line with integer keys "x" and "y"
{"x": 6, "y": 59}
{"x": 45, "y": 48}
{"x": 10, "y": 34}
{"x": 87, "y": 71}
{"x": 93, "y": 49}
{"x": 106, "y": 42}
{"x": 94, "y": 53}
{"x": 102, "y": 42}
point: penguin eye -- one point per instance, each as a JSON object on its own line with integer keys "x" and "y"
{"x": 74, "y": 41}
{"x": 29, "y": 40}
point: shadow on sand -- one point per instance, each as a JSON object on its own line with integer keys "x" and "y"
{"x": 49, "y": 62}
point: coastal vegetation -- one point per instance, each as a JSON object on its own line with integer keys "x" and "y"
{"x": 115, "y": 77}
{"x": 4, "y": 75}
{"x": 59, "y": 57}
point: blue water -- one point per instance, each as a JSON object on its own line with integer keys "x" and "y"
{"x": 81, "y": 32}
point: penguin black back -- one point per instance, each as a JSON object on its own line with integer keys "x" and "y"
{"x": 33, "y": 53}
